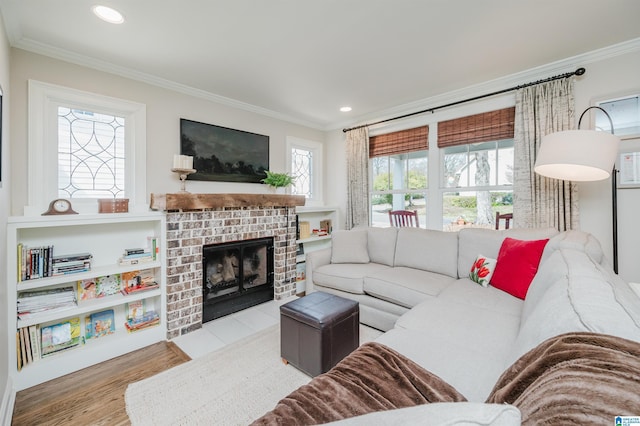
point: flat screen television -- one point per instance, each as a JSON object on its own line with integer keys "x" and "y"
{"x": 224, "y": 154}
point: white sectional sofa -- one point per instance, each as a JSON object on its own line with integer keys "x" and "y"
{"x": 413, "y": 284}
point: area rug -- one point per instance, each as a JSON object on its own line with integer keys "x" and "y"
{"x": 232, "y": 386}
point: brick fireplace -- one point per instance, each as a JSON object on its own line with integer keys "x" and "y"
{"x": 198, "y": 220}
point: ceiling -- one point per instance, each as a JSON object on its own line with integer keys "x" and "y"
{"x": 302, "y": 60}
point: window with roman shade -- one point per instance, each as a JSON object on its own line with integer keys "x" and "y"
{"x": 476, "y": 168}
{"x": 398, "y": 165}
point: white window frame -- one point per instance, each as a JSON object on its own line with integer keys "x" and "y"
{"x": 316, "y": 168}
{"x": 42, "y": 176}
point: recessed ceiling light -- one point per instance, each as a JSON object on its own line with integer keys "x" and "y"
{"x": 108, "y": 14}
{"x": 345, "y": 109}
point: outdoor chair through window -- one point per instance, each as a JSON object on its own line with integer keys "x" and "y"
{"x": 402, "y": 218}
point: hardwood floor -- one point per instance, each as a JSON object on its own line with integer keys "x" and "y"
{"x": 94, "y": 395}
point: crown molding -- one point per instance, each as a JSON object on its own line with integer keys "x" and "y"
{"x": 104, "y": 66}
{"x": 533, "y": 74}
{"x": 544, "y": 71}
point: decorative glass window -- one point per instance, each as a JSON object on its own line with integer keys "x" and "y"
{"x": 625, "y": 114}
{"x": 304, "y": 158}
{"x": 84, "y": 146}
{"x": 302, "y": 169}
{"x": 91, "y": 154}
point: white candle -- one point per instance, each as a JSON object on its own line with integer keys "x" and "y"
{"x": 189, "y": 161}
{"x": 176, "y": 161}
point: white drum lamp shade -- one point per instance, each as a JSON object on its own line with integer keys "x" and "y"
{"x": 577, "y": 155}
{"x": 582, "y": 156}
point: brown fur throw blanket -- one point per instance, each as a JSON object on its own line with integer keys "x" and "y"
{"x": 372, "y": 378}
{"x": 574, "y": 378}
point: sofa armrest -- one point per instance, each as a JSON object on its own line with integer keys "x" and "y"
{"x": 314, "y": 260}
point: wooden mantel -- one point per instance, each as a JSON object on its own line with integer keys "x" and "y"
{"x": 188, "y": 201}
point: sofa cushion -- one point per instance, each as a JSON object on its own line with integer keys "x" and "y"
{"x": 381, "y": 244}
{"x": 473, "y": 241}
{"x": 347, "y": 277}
{"x": 429, "y": 250}
{"x": 466, "y": 292}
{"x": 470, "y": 369}
{"x": 405, "y": 286}
{"x": 349, "y": 246}
{"x": 482, "y": 270}
{"x": 577, "y": 240}
{"x": 441, "y": 413}
{"x": 582, "y": 296}
{"x": 518, "y": 262}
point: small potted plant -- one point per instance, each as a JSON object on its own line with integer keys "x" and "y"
{"x": 278, "y": 180}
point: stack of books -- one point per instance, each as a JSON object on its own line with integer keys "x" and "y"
{"x": 34, "y": 262}
{"x": 135, "y": 256}
{"x": 137, "y": 323}
{"x": 27, "y": 345}
{"x": 71, "y": 263}
{"x": 49, "y": 300}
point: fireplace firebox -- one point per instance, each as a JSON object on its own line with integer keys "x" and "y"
{"x": 237, "y": 275}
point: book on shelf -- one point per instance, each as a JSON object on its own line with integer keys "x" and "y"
{"x": 135, "y": 256}
{"x": 48, "y": 300}
{"x": 102, "y": 323}
{"x": 59, "y": 337}
{"x": 71, "y": 263}
{"x": 108, "y": 285}
{"x": 152, "y": 243}
{"x": 35, "y": 342}
{"x": 135, "y": 260}
{"x": 18, "y": 353}
{"x": 87, "y": 289}
{"x": 135, "y": 281}
{"x": 34, "y": 262}
{"x": 138, "y": 318}
{"x": 23, "y": 347}
{"x": 301, "y": 271}
{"x": 135, "y": 310}
{"x": 27, "y": 344}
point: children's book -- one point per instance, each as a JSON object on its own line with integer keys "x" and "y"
{"x": 61, "y": 336}
{"x": 108, "y": 285}
{"x": 130, "y": 279}
{"x": 135, "y": 310}
{"x": 87, "y": 289}
{"x": 103, "y": 323}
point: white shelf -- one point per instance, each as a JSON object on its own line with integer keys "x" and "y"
{"x": 314, "y": 239}
{"x": 311, "y": 209}
{"x": 105, "y": 236}
{"x": 99, "y": 271}
{"x": 86, "y": 306}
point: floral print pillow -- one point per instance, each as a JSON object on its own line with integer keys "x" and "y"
{"x": 482, "y": 270}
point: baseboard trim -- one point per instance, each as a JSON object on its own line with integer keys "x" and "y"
{"x": 8, "y": 401}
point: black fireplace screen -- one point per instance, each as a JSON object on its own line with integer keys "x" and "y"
{"x": 237, "y": 275}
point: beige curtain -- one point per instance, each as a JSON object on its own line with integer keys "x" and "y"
{"x": 357, "y": 178}
{"x": 539, "y": 201}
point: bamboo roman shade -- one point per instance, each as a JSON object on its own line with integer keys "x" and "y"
{"x": 409, "y": 140}
{"x": 488, "y": 126}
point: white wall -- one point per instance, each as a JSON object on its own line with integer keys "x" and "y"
{"x": 604, "y": 79}
{"x": 5, "y": 197}
{"x": 164, "y": 110}
{"x": 617, "y": 76}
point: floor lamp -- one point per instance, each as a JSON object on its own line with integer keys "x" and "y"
{"x": 582, "y": 156}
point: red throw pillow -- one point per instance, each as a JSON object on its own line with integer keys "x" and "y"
{"x": 517, "y": 265}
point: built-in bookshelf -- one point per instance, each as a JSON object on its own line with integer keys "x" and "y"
{"x": 319, "y": 222}
{"x": 126, "y": 313}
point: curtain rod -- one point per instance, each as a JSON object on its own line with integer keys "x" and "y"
{"x": 579, "y": 71}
